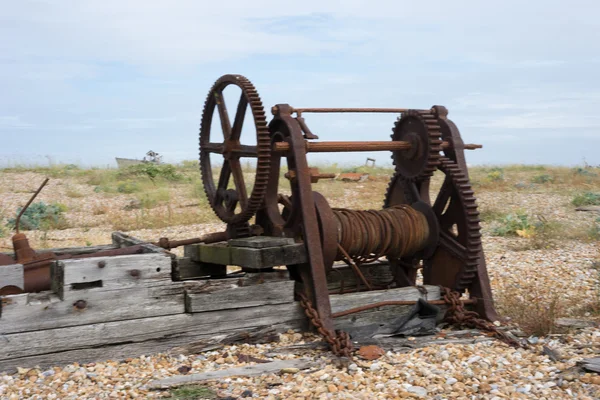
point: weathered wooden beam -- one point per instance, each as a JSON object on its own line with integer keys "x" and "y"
{"x": 121, "y": 239}
{"x": 110, "y": 273}
{"x": 38, "y": 311}
{"x": 255, "y": 252}
{"x": 249, "y": 370}
{"x": 191, "y": 326}
{"x": 133, "y": 314}
{"x": 75, "y": 250}
{"x": 240, "y": 297}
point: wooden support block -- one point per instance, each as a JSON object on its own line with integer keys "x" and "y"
{"x": 258, "y": 258}
{"x": 12, "y": 275}
{"x": 110, "y": 273}
{"x": 177, "y": 329}
{"x": 215, "y": 253}
{"x": 37, "y": 311}
{"x": 240, "y": 297}
{"x": 260, "y": 242}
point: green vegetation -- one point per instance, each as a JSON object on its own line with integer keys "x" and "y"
{"x": 542, "y": 178}
{"x": 516, "y": 224}
{"x": 41, "y": 216}
{"x": 152, "y": 171}
{"x": 496, "y": 174}
{"x": 193, "y": 392}
{"x": 586, "y": 199}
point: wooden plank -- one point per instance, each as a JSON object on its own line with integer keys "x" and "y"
{"x": 211, "y": 322}
{"x": 121, "y": 239}
{"x": 251, "y": 254}
{"x": 154, "y": 328}
{"x": 260, "y": 242}
{"x": 241, "y": 297}
{"x": 37, "y": 311}
{"x": 12, "y": 275}
{"x": 75, "y": 250}
{"x": 119, "y": 351}
{"x": 352, "y": 300}
{"x": 249, "y": 370}
{"x": 117, "y": 272}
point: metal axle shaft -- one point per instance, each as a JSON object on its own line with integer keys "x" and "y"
{"x": 326, "y": 147}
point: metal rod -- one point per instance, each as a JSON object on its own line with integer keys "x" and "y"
{"x": 353, "y": 110}
{"x": 28, "y": 203}
{"x": 167, "y": 244}
{"x": 326, "y": 147}
{"x": 394, "y": 303}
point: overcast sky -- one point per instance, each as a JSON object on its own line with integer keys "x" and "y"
{"x": 85, "y": 81}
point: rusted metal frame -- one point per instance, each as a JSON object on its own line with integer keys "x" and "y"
{"x": 344, "y": 146}
{"x": 332, "y": 146}
{"x": 317, "y": 280}
{"x": 395, "y": 303}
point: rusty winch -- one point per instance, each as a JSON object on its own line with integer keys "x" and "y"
{"x": 415, "y": 229}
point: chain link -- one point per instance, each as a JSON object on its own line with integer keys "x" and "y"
{"x": 341, "y": 345}
{"x": 459, "y": 316}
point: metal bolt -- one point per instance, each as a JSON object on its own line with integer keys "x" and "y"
{"x": 135, "y": 273}
{"x": 80, "y": 304}
{"x": 101, "y": 264}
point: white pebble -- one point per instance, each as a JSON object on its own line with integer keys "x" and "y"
{"x": 375, "y": 367}
{"x": 418, "y": 390}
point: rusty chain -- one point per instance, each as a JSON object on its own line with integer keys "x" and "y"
{"x": 341, "y": 345}
{"x": 459, "y": 316}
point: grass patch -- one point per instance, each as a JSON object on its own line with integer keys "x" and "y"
{"x": 73, "y": 193}
{"x": 154, "y": 198}
{"x": 160, "y": 217}
{"x": 491, "y": 214}
{"x": 533, "y": 313}
{"x": 193, "y": 392}
{"x": 586, "y": 199}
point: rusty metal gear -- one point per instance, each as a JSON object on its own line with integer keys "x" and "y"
{"x": 422, "y": 130}
{"x": 222, "y": 200}
{"x": 454, "y": 261}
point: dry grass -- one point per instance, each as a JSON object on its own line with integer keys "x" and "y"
{"x": 535, "y": 314}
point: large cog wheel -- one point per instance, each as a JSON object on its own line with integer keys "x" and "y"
{"x": 422, "y": 130}
{"x": 222, "y": 199}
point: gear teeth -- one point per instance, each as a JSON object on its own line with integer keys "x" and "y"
{"x": 474, "y": 244}
{"x": 433, "y": 133}
{"x": 263, "y": 162}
